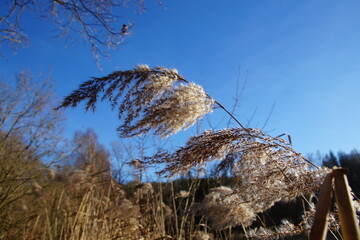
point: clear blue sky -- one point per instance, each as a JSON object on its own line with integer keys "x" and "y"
{"x": 302, "y": 56}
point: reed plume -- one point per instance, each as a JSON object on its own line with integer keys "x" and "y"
{"x": 157, "y": 99}
{"x": 224, "y": 202}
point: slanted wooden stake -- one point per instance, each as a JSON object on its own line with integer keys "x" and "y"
{"x": 319, "y": 227}
{"x": 348, "y": 220}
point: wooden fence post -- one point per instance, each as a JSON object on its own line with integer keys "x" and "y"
{"x": 348, "y": 220}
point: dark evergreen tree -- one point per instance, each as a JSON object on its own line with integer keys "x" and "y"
{"x": 351, "y": 161}
{"x": 330, "y": 160}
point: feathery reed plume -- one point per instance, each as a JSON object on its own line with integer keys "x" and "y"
{"x": 36, "y": 188}
{"x": 216, "y": 145}
{"x": 157, "y": 99}
{"x": 200, "y": 235}
{"x": 144, "y": 189}
{"x": 51, "y": 174}
{"x": 224, "y": 202}
{"x": 270, "y": 175}
{"x": 285, "y": 229}
{"x": 268, "y": 170}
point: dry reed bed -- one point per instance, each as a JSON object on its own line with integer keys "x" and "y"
{"x": 78, "y": 204}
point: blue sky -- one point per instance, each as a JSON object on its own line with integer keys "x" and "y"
{"x": 303, "y": 57}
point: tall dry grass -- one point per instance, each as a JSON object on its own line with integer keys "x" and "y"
{"x": 76, "y": 205}
{"x": 80, "y": 203}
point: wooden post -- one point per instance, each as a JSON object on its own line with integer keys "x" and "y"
{"x": 319, "y": 227}
{"x": 348, "y": 220}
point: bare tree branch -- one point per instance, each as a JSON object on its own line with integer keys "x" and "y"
{"x": 96, "y": 21}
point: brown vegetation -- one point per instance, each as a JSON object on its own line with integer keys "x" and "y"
{"x": 78, "y": 197}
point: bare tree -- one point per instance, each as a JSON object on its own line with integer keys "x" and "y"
{"x": 26, "y": 112}
{"x": 29, "y": 139}
{"x": 97, "y": 22}
{"x": 90, "y": 153}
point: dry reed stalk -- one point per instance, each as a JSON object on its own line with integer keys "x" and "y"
{"x": 96, "y": 214}
{"x": 189, "y": 200}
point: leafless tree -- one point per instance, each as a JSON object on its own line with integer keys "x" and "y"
{"x": 90, "y": 153}
{"x": 96, "y": 21}
{"x": 26, "y": 112}
{"x": 29, "y": 138}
